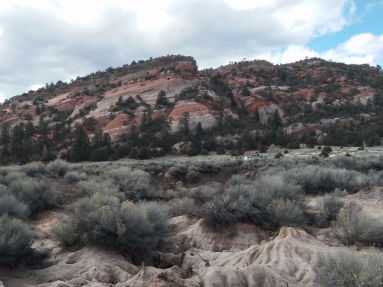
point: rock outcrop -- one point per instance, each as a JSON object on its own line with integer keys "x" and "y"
{"x": 289, "y": 259}
{"x": 197, "y": 113}
{"x": 118, "y": 97}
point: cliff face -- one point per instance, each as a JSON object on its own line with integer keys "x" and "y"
{"x": 118, "y": 98}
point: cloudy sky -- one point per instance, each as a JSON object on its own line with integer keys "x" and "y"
{"x": 49, "y": 40}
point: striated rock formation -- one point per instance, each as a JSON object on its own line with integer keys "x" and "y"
{"x": 198, "y": 113}
{"x": 89, "y": 266}
{"x": 224, "y": 259}
{"x": 305, "y": 94}
{"x": 290, "y": 258}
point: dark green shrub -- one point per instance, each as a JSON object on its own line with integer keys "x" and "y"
{"x": 95, "y": 184}
{"x": 329, "y": 207}
{"x": 15, "y": 241}
{"x": 93, "y": 219}
{"x": 326, "y": 151}
{"x": 205, "y": 193}
{"x": 355, "y": 225}
{"x": 104, "y": 219}
{"x": 136, "y": 184}
{"x": 192, "y": 175}
{"x": 319, "y": 179}
{"x": 36, "y": 194}
{"x": 142, "y": 226}
{"x": 287, "y": 212}
{"x": 74, "y": 177}
{"x": 269, "y": 202}
{"x": 222, "y": 211}
{"x": 67, "y": 232}
{"x": 362, "y": 164}
{"x": 58, "y": 167}
{"x": 183, "y": 206}
{"x": 34, "y": 169}
{"x": 178, "y": 171}
{"x": 346, "y": 268}
{"x": 100, "y": 154}
{"x": 278, "y": 155}
{"x": 10, "y": 205}
{"x": 12, "y": 176}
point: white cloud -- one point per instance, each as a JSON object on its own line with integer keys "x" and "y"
{"x": 360, "y": 49}
{"x": 2, "y": 98}
{"x": 291, "y": 54}
{"x": 35, "y": 87}
{"x": 46, "y": 40}
{"x": 313, "y": 18}
{"x": 250, "y": 4}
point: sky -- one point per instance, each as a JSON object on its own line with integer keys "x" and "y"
{"x": 43, "y": 41}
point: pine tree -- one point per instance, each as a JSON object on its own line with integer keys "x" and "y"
{"x": 43, "y": 130}
{"x": 97, "y": 140}
{"x": 196, "y": 141}
{"x": 81, "y": 145}
{"x": 44, "y": 140}
{"x": 120, "y": 101}
{"x": 133, "y": 136}
{"x": 44, "y": 154}
{"x": 101, "y": 146}
{"x": 165, "y": 138}
{"x": 18, "y": 147}
{"x": 29, "y": 129}
{"x": 185, "y": 126}
{"x": 130, "y": 103}
{"x": 199, "y": 132}
{"x": 245, "y": 92}
{"x": 246, "y": 141}
{"x": 29, "y": 143}
{"x": 276, "y": 121}
{"x": 107, "y": 141}
{"x": 5, "y": 143}
{"x": 221, "y": 123}
{"x": 60, "y": 132}
{"x": 162, "y": 100}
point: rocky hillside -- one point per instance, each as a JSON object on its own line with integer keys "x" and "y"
{"x": 311, "y": 101}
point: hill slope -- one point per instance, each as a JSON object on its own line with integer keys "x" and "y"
{"x": 166, "y": 105}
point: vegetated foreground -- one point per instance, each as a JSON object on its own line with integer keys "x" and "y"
{"x": 294, "y": 220}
